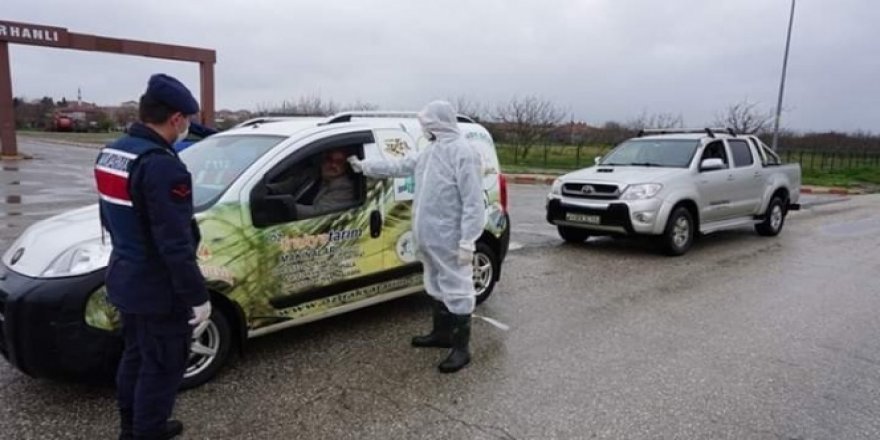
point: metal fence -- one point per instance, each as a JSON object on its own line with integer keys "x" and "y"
{"x": 550, "y": 157}
{"x": 833, "y": 160}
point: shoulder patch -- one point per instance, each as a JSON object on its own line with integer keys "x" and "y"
{"x": 181, "y": 192}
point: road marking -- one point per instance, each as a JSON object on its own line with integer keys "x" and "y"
{"x": 544, "y": 233}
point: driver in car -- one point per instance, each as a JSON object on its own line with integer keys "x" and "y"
{"x": 336, "y": 189}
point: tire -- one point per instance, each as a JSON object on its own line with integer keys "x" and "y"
{"x": 217, "y": 337}
{"x": 678, "y": 237}
{"x": 572, "y": 235}
{"x": 774, "y": 218}
{"x": 485, "y": 267}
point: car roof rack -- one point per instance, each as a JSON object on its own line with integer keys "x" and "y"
{"x": 346, "y": 116}
{"x": 709, "y": 131}
{"x": 263, "y": 120}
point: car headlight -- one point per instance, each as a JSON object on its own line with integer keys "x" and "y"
{"x": 79, "y": 259}
{"x": 641, "y": 191}
{"x": 556, "y": 188}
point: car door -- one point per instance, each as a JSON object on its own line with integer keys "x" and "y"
{"x": 713, "y": 185}
{"x": 307, "y": 256}
{"x": 396, "y": 201}
{"x": 747, "y": 186}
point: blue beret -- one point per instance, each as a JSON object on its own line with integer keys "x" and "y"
{"x": 173, "y": 93}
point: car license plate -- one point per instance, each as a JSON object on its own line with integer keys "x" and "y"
{"x": 583, "y": 218}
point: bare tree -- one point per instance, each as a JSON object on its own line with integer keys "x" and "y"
{"x": 612, "y": 133}
{"x": 469, "y": 108}
{"x": 311, "y": 105}
{"x": 656, "y": 120}
{"x": 528, "y": 120}
{"x": 745, "y": 117}
{"x": 360, "y": 106}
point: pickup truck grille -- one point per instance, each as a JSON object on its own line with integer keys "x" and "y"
{"x": 591, "y": 191}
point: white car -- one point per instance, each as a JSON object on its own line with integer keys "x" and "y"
{"x": 271, "y": 258}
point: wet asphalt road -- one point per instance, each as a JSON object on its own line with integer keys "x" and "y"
{"x": 745, "y": 337}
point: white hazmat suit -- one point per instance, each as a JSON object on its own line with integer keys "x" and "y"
{"x": 449, "y": 213}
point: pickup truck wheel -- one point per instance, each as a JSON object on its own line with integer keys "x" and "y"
{"x": 572, "y": 235}
{"x": 679, "y": 234}
{"x": 209, "y": 351}
{"x": 774, "y": 218}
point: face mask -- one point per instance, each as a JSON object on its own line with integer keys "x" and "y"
{"x": 182, "y": 135}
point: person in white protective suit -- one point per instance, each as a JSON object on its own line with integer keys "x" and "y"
{"x": 449, "y": 215}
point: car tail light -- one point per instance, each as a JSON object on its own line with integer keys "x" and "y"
{"x": 502, "y": 185}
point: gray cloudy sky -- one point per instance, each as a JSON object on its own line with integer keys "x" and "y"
{"x": 601, "y": 59}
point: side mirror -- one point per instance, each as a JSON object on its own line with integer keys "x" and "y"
{"x": 597, "y": 159}
{"x": 273, "y": 210}
{"x": 712, "y": 164}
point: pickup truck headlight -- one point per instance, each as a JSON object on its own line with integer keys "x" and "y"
{"x": 556, "y": 189}
{"x": 79, "y": 259}
{"x": 641, "y": 191}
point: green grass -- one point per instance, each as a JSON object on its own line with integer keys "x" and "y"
{"x": 88, "y": 138}
{"x": 831, "y": 161}
{"x": 857, "y": 177}
{"x": 552, "y": 157}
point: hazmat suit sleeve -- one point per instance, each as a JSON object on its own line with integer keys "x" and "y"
{"x": 404, "y": 167}
{"x": 468, "y": 178}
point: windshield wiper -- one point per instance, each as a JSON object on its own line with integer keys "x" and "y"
{"x": 647, "y": 164}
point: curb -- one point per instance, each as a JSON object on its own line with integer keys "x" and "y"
{"x": 93, "y": 146}
{"x": 530, "y": 179}
{"x": 545, "y": 179}
{"x": 834, "y": 191}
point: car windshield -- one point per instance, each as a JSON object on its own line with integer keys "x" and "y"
{"x": 672, "y": 153}
{"x": 217, "y": 161}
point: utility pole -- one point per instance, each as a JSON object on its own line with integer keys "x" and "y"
{"x": 782, "y": 81}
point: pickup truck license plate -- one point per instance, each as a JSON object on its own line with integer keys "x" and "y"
{"x": 583, "y": 218}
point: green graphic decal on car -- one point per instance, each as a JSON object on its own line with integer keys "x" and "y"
{"x": 277, "y": 273}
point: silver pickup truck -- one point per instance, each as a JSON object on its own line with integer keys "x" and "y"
{"x": 674, "y": 185}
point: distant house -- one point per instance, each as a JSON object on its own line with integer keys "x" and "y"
{"x": 224, "y": 119}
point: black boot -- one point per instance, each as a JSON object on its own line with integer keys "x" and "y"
{"x": 172, "y": 429}
{"x": 125, "y": 428}
{"x": 460, "y": 354}
{"x": 441, "y": 334}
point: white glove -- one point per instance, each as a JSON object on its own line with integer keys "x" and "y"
{"x": 355, "y": 164}
{"x": 465, "y": 254}
{"x": 200, "y": 314}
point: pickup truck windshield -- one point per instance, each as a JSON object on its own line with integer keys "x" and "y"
{"x": 672, "y": 153}
{"x": 217, "y": 161}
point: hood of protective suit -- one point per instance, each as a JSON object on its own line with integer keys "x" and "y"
{"x": 438, "y": 118}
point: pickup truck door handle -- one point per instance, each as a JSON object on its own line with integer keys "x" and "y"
{"x": 730, "y": 178}
{"x": 375, "y": 224}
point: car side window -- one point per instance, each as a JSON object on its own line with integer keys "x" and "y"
{"x": 742, "y": 154}
{"x": 319, "y": 184}
{"x": 715, "y": 150}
